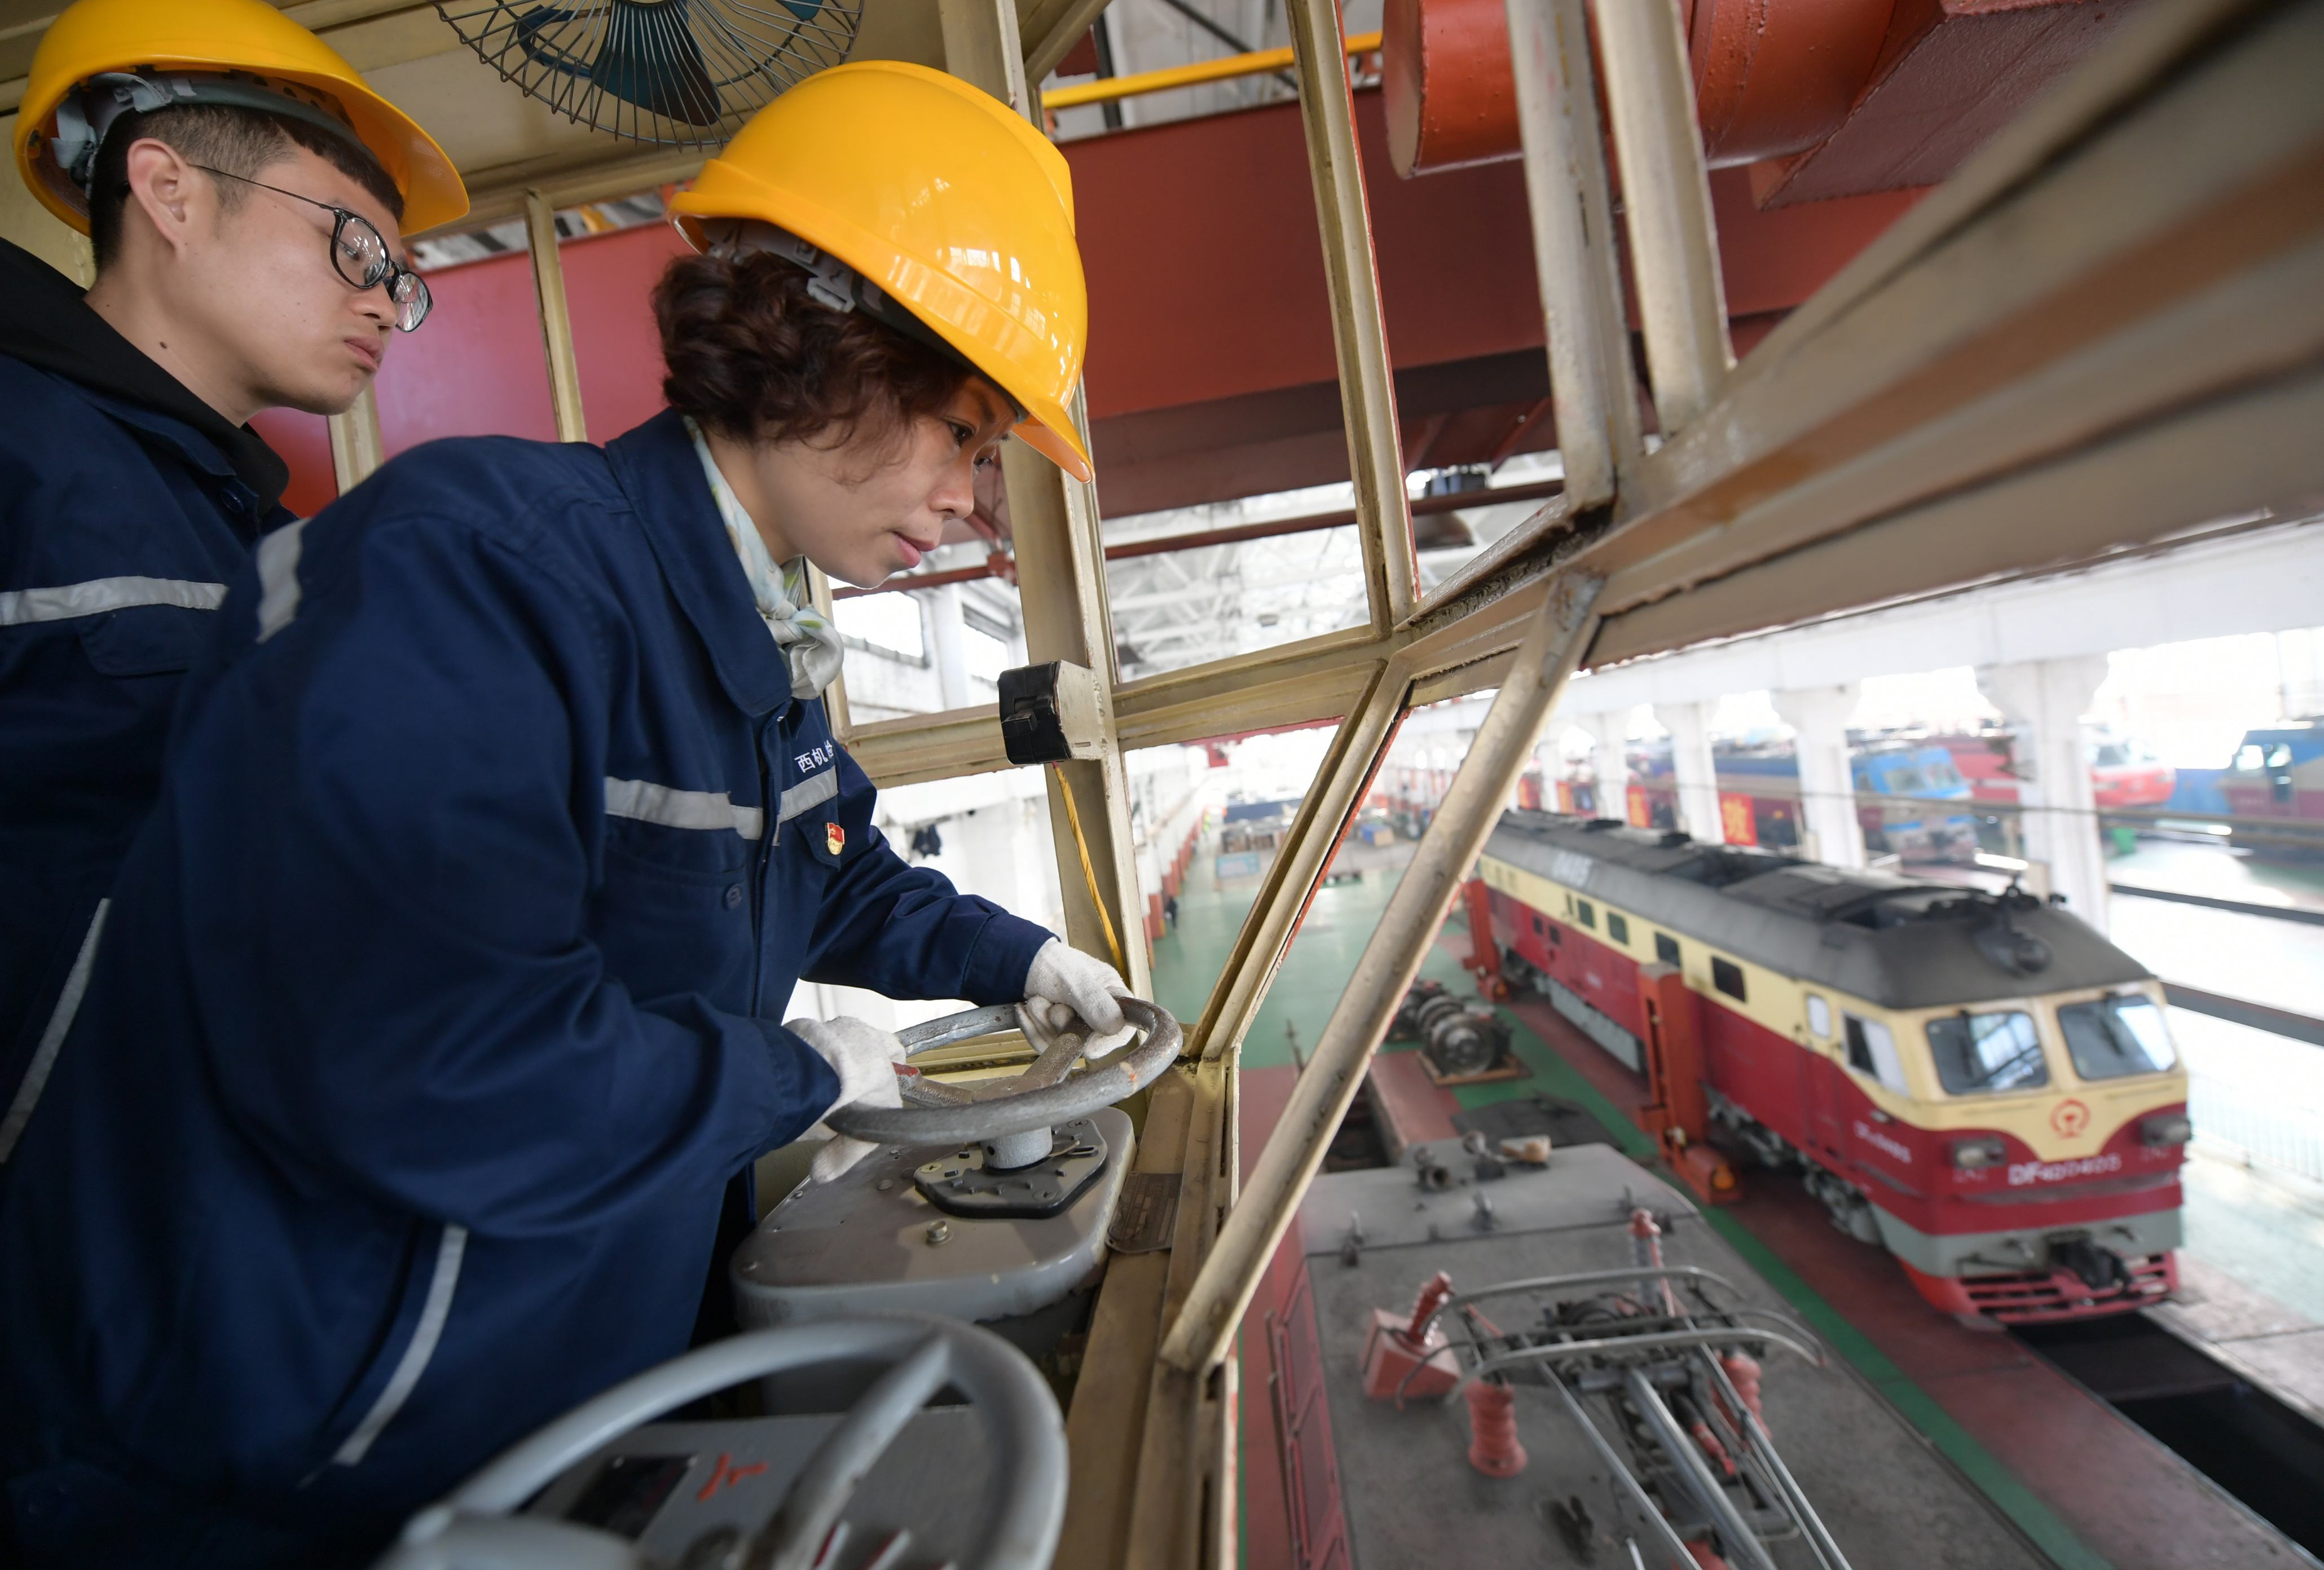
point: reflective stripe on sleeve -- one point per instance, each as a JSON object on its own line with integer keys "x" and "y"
{"x": 649, "y": 803}
{"x": 19, "y": 607}
{"x": 811, "y": 791}
{"x": 416, "y": 1357}
{"x": 52, "y": 1040}
{"x": 278, "y": 578}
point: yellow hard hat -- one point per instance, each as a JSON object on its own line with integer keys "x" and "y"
{"x": 239, "y": 52}
{"x": 950, "y": 205}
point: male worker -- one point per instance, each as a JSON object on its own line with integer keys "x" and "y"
{"x": 242, "y": 188}
{"x": 437, "y": 1015}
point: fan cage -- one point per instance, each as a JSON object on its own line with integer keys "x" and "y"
{"x": 671, "y": 73}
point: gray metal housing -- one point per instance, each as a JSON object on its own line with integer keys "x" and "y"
{"x": 861, "y": 1245}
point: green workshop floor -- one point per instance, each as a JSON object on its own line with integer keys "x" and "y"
{"x": 1187, "y": 961}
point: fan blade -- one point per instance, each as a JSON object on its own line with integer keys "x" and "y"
{"x": 649, "y": 57}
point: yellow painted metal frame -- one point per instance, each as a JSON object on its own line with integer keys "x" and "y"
{"x": 2107, "y": 330}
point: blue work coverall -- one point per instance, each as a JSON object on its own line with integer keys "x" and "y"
{"x": 437, "y": 1009}
{"x": 126, "y": 506}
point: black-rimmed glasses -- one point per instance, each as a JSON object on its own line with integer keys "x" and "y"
{"x": 359, "y": 255}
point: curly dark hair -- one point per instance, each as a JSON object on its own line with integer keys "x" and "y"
{"x": 751, "y": 355}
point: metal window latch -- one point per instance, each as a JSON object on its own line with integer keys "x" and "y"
{"x": 1050, "y": 714}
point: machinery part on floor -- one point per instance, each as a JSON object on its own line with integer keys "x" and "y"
{"x": 1459, "y": 1039}
{"x": 1850, "y": 1211}
{"x": 968, "y": 1182}
{"x": 1044, "y": 1094}
{"x": 1434, "y": 1174}
{"x": 1409, "y": 1353}
{"x": 1493, "y": 1447}
{"x": 1653, "y": 1381}
{"x": 475, "y": 1527}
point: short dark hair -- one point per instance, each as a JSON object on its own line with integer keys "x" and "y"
{"x": 242, "y": 142}
{"x": 752, "y": 355}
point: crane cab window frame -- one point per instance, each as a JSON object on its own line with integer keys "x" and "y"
{"x": 1872, "y": 1052}
{"x": 1818, "y": 1009}
{"x": 1728, "y": 977}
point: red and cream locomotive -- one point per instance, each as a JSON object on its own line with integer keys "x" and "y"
{"x": 1978, "y": 1082}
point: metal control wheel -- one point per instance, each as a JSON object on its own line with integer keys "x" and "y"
{"x": 476, "y": 1528}
{"x": 1040, "y": 1097}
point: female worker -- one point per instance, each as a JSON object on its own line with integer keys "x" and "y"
{"x": 438, "y": 1006}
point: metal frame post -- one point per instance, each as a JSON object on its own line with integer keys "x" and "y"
{"x": 1593, "y": 392}
{"x": 356, "y": 446}
{"x": 556, "y": 320}
{"x": 1204, "y": 1329}
{"x": 1359, "y": 330}
{"x": 1666, "y": 203}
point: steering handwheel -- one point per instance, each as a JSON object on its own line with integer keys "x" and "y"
{"x": 475, "y": 1527}
{"x": 1041, "y": 1095}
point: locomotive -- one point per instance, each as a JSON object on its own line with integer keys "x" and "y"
{"x": 1978, "y": 1082}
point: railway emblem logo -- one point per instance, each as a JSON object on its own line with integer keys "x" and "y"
{"x": 2071, "y": 1117}
{"x": 834, "y": 838}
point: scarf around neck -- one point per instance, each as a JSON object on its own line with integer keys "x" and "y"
{"x": 808, "y": 640}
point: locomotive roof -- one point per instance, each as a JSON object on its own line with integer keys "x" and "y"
{"x": 1895, "y": 941}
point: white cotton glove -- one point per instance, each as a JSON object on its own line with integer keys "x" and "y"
{"x": 1069, "y": 989}
{"x": 865, "y": 1058}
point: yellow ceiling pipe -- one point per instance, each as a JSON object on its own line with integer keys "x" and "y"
{"x": 1258, "y": 63}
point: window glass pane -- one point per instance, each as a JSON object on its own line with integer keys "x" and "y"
{"x": 1617, "y": 927}
{"x": 1586, "y": 912}
{"x": 1871, "y": 1049}
{"x": 889, "y": 622}
{"x": 1728, "y": 977}
{"x": 1667, "y": 948}
{"x": 1212, "y": 866}
{"x": 990, "y": 835}
{"x": 1193, "y": 585}
{"x": 928, "y": 650}
{"x": 2114, "y": 1036}
{"x": 1819, "y": 1015}
{"x": 1988, "y": 1052}
{"x": 1905, "y": 781}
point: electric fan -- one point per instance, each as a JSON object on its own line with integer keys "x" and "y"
{"x": 681, "y": 73}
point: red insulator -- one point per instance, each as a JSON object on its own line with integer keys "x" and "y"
{"x": 1711, "y": 1447}
{"x": 1493, "y": 1447}
{"x": 1743, "y": 1372}
{"x": 1424, "y": 1308}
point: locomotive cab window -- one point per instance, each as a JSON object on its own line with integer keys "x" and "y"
{"x": 1871, "y": 1049}
{"x": 2109, "y": 1037}
{"x": 1667, "y": 948}
{"x": 1728, "y": 977}
{"x": 1819, "y": 1017}
{"x": 1617, "y": 927}
{"x": 1585, "y": 912}
{"x": 1979, "y": 1053}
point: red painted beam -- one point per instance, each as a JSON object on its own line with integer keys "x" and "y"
{"x": 1211, "y": 373}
